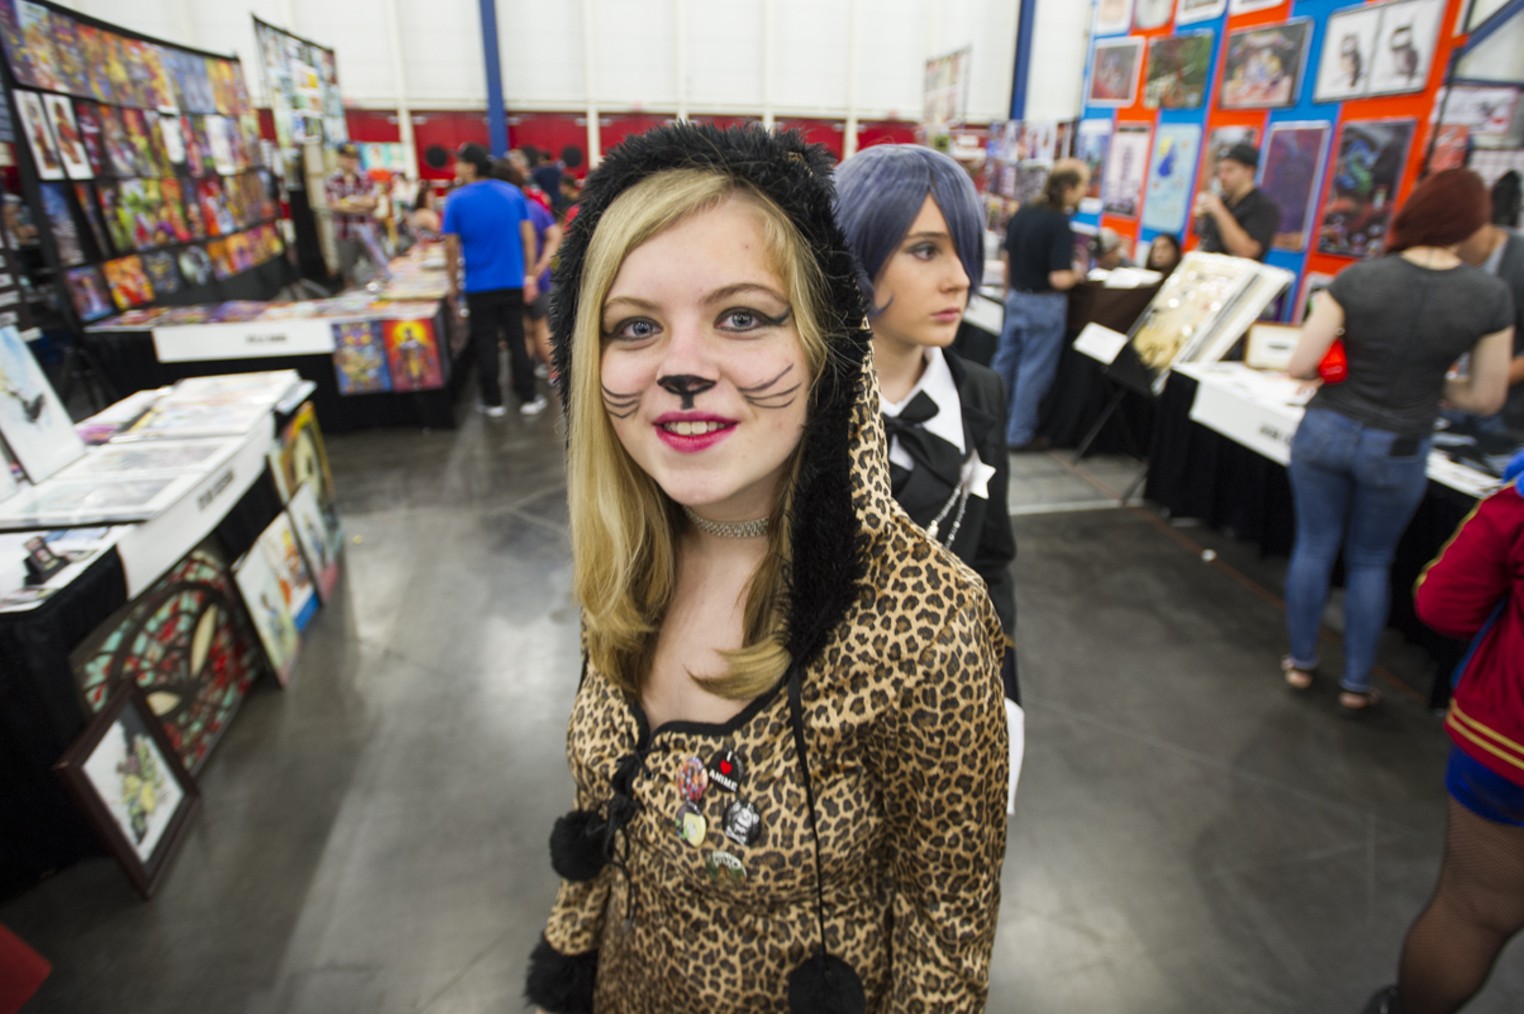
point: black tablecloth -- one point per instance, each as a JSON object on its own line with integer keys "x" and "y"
{"x": 128, "y": 362}
{"x": 40, "y": 708}
{"x": 1197, "y": 473}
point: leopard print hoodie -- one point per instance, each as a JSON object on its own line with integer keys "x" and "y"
{"x": 711, "y": 898}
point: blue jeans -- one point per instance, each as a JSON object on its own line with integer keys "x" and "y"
{"x": 1027, "y": 358}
{"x": 1357, "y": 487}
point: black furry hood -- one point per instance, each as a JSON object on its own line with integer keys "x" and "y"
{"x": 836, "y": 508}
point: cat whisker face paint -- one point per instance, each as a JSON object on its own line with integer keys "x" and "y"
{"x": 775, "y": 393}
{"x": 620, "y": 406}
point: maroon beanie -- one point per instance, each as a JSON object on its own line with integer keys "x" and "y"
{"x": 1443, "y": 210}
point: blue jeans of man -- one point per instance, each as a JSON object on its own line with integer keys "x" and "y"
{"x": 1027, "y": 358}
{"x": 1354, "y": 487}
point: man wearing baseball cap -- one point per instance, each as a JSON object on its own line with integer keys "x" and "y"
{"x": 487, "y": 230}
{"x": 1238, "y": 218}
{"x": 352, "y": 201}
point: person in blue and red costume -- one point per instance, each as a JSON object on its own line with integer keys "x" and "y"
{"x": 1475, "y": 590}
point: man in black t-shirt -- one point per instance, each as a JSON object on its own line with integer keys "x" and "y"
{"x": 1243, "y": 220}
{"x": 1039, "y": 268}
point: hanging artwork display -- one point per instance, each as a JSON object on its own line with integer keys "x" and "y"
{"x": 1112, "y": 16}
{"x": 1349, "y": 50}
{"x": 1114, "y": 71}
{"x": 33, "y": 420}
{"x": 1405, "y": 48}
{"x": 1151, "y": 14}
{"x": 1189, "y": 11}
{"x": 1290, "y": 170}
{"x": 184, "y": 643}
{"x": 1179, "y": 68}
{"x": 1176, "y": 146}
{"x": 1090, "y": 146}
{"x": 1371, "y": 156}
{"x": 1126, "y": 170}
{"x": 412, "y": 355}
{"x": 71, "y": 149}
{"x": 126, "y": 779}
{"x": 34, "y": 123}
{"x": 1263, "y": 65}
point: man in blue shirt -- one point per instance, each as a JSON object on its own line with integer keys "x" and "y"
{"x": 487, "y": 225}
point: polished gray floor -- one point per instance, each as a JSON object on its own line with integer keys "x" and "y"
{"x": 1189, "y": 836}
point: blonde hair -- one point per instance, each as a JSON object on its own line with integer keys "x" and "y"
{"x": 623, "y": 526}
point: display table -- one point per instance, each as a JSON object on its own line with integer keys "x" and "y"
{"x": 48, "y": 641}
{"x": 1227, "y": 467}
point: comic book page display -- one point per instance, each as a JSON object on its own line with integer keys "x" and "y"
{"x": 128, "y": 280}
{"x": 186, "y": 644}
{"x": 1370, "y": 158}
{"x": 34, "y": 123}
{"x": 359, "y": 358}
{"x": 33, "y": 421}
{"x": 71, "y": 148}
{"x": 412, "y": 355}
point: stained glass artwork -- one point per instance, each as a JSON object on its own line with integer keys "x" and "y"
{"x": 186, "y": 643}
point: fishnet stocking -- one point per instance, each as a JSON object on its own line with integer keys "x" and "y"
{"x": 1477, "y": 906}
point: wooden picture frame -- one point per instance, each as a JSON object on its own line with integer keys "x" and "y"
{"x": 131, "y": 787}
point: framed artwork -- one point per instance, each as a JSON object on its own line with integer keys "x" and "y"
{"x": 34, "y": 422}
{"x": 71, "y": 148}
{"x": 1149, "y": 14}
{"x": 1217, "y": 145}
{"x": 1362, "y": 190}
{"x": 412, "y": 354}
{"x": 1178, "y": 69}
{"x": 1189, "y": 305}
{"x": 1188, "y": 11}
{"x": 87, "y": 291}
{"x": 1248, "y": 6}
{"x": 1349, "y": 51}
{"x": 1405, "y": 49}
{"x": 321, "y": 538}
{"x": 1126, "y": 170}
{"x": 34, "y": 122}
{"x": 1176, "y": 147}
{"x": 184, "y": 643}
{"x": 1290, "y": 170}
{"x": 1113, "y": 16}
{"x": 304, "y": 458}
{"x": 66, "y": 242}
{"x": 1114, "y": 72}
{"x": 1263, "y": 66}
{"x": 260, "y": 587}
{"x": 126, "y": 778}
{"x": 359, "y": 358}
{"x": 1090, "y": 146}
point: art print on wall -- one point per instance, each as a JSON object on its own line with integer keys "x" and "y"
{"x": 1176, "y": 146}
{"x": 1362, "y": 191}
{"x": 1126, "y": 170}
{"x": 184, "y": 643}
{"x": 1487, "y": 111}
{"x": 33, "y": 421}
{"x": 34, "y": 123}
{"x": 1113, "y": 16}
{"x": 1188, "y": 11}
{"x": 1114, "y": 72}
{"x": 1178, "y": 69}
{"x": 1405, "y": 49}
{"x": 1349, "y": 50}
{"x": 1290, "y": 170}
{"x": 1150, "y": 14}
{"x": 128, "y": 782}
{"x": 1090, "y": 147}
{"x": 71, "y": 148}
{"x": 1263, "y": 66}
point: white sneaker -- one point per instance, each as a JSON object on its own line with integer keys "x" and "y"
{"x": 491, "y": 411}
{"x": 535, "y": 407}
{"x": 542, "y": 370}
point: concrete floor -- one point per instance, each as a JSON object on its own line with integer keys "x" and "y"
{"x": 1189, "y": 836}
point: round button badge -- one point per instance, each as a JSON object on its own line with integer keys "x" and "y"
{"x": 693, "y": 779}
{"x": 724, "y": 865}
{"x": 743, "y": 824}
{"x": 691, "y": 825}
{"x": 726, "y": 771}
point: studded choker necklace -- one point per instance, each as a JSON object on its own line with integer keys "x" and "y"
{"x": 754, "y": 529}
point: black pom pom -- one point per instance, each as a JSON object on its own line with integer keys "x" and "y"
{"x": 562, "y": 983}
{"x": 825, "y": 984}
{"x": 576, "y": 845}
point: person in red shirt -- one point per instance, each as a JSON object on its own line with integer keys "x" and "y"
{"x": 1475, "y": 589}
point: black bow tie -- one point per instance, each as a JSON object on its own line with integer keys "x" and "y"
{"x": 926, "y": 450}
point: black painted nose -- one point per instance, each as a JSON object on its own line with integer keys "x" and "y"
{"x": 686, "y": 386}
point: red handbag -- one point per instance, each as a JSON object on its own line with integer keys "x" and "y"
{"x": 1334, "y": 368}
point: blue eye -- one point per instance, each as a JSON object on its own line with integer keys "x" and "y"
{"x": 740, "y": 320}
{"x": 635, "y": 329}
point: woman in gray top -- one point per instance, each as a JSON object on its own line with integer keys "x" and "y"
{"x": 1359, "y": 458}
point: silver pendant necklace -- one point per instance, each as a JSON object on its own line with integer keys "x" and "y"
{"x": 753, "y": 529}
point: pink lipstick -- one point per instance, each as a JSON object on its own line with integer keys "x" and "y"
{"x": 690, "y": 432}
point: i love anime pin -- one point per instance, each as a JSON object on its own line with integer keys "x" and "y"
{"x": 726, "y": 771}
